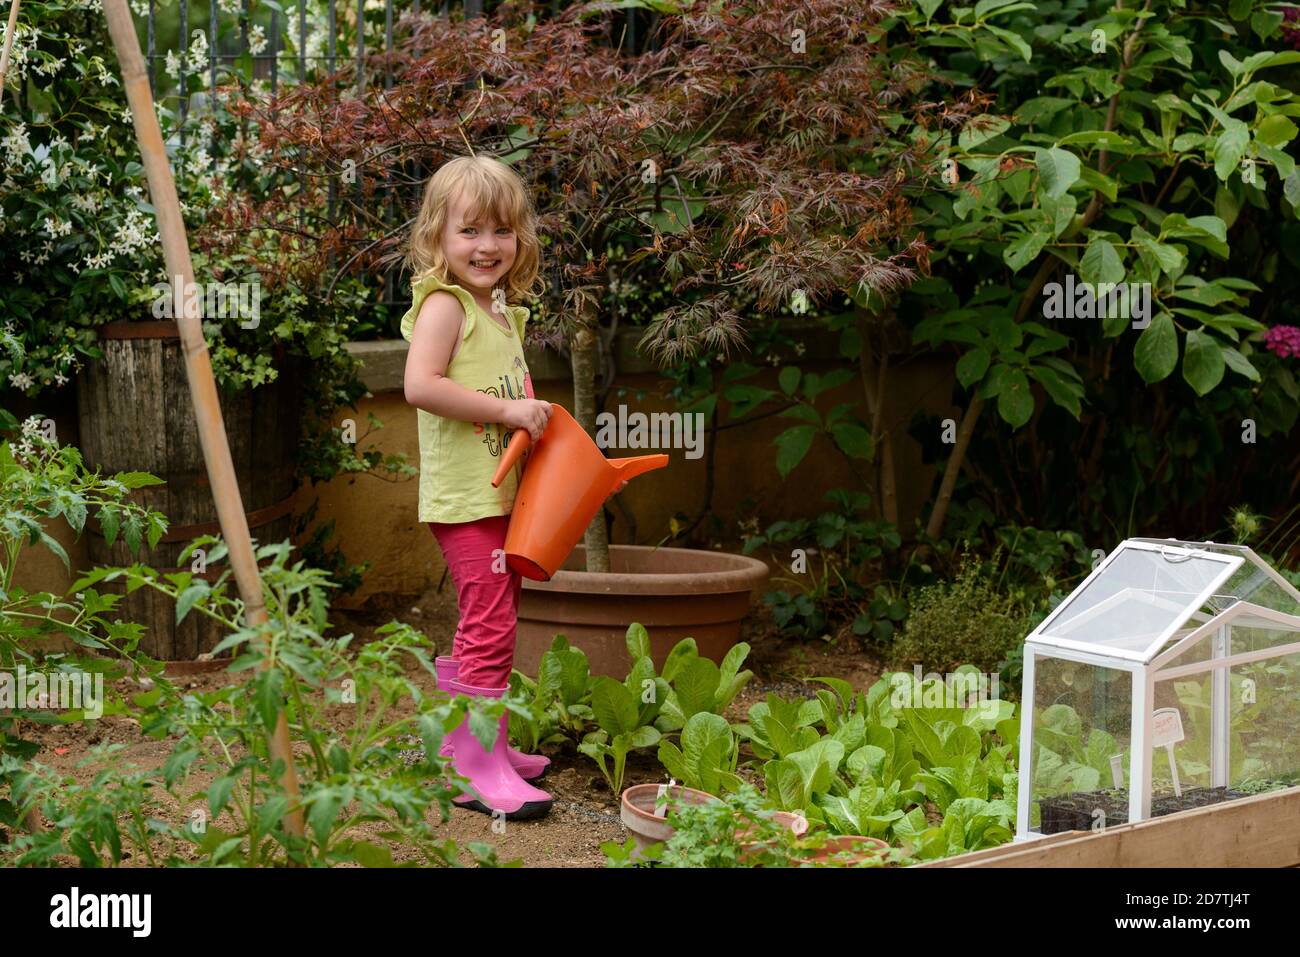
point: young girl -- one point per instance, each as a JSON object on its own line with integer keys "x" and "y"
{"x": 474, "y": 245}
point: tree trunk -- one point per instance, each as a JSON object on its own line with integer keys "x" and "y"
{"x": 583, "y": 351}
{"x": 964, "y": 432}
{"x": 873, "y": 388}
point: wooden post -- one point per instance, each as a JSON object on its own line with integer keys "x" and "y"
{"x": 198, "y": 366}
{"x": 9, "y": 45}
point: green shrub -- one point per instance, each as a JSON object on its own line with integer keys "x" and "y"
{"x": 966, "y": 621}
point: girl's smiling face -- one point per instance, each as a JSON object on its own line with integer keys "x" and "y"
{"x": 479, "y": 253}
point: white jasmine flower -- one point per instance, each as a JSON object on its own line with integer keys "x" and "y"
{"x": 256, "y": 39}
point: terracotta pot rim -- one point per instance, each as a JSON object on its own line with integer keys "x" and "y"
{"x": 677, "y": 790}
{"x": 733, "y": 574}
{"x": 858, "y": 845}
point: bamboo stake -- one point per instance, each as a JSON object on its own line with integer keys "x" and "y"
{"x": 9, "y": 44}
{"x": 198, "y": 366}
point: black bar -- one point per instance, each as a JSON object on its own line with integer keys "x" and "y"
{"x": 212, "y": 53}
{"x": 212, "y": 66}
{"x": 302, "y": 40}
{"x": 333, "y": 30}
{"x": 184, "y": 57}
{"x": 243, "y": 35}
{"x": 302, "y": 75}
{"x": 275, "y": 56}
{"x": 388, "y": 43}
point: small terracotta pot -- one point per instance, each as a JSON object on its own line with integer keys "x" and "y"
{"x": 791, "y": 821}
{"x": 638, "y": 811}
{"x": 853, "y": 848}
{"x": 796, "y": 823}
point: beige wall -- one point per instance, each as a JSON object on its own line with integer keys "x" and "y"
{"x": 375, "y": 520}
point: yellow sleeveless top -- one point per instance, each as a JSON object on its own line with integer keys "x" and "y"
{"x": 458, "y": 459}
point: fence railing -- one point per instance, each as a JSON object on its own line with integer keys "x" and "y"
{"x": 283, "y": 25}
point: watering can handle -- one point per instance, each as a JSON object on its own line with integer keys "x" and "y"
{"x": 519, "y": 442}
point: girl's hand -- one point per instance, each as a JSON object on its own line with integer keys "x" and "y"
{"x": 530, "y": 414}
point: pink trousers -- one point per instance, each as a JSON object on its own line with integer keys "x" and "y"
{"x": 487, "y": 595}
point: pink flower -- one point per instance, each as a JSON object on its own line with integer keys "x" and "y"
{"x": 1283, "y": 340}
{"x": 1290, "y": 15}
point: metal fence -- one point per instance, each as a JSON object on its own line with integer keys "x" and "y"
{"x": 631, "y": 28}
{"x": 636, "y": 24}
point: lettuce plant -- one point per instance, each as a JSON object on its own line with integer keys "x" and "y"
{"x": 707, "y": 757}
{"x": 794, "y": 781}
{"x": 777, "y": 728}
{"x": 563, "y": 686}
{"x": 625, "y": 711}
{"x": 970, "y": 824}
{"x": 699, "y": 685}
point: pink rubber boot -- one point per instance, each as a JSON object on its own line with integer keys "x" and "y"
{"x": 495, "y": 785}
{"x": 528, "y": 766}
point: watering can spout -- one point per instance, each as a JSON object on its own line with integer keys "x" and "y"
{"x": 628, "y": 469}
{"x": 519, "y": 442}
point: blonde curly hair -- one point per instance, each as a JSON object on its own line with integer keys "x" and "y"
{"x": 489, "y": 185}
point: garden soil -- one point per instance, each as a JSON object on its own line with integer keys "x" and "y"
{"x": 585, "y": 813}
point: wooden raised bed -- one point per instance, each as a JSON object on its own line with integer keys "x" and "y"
{"x": 1259, "y": 831}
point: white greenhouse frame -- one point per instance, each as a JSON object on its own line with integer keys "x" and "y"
{"x": 1151, "y": 662}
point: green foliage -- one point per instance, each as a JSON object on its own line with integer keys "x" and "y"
{"x": 83, "y": 246}
{"x": 970, "y": 824}
{"x": 1065, "y": 758}
{"x": 737, "y": 831}
{"x": 637, "y": 712}
{"x": 350, "y": 774}
{"x": 707, "y": 757}
{"x": 696, "y": 685}
{"x": 563, "y": 687}
{"x": 871, "y": 762}
{"x": 968, "y": 620}
{"x": 1156, "y": 106}
{"x": 1113, "y": 144}
{"x": 832, "y": 555}
{"x": 40, "y": 482}
{"x": 626, "y": 711}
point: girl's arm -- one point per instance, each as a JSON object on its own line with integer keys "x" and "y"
{"x": 433, "y": 341}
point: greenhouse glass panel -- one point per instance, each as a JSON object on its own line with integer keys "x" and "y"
{"x": 1139, "y": 596}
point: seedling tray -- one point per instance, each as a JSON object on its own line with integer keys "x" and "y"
{"x": 1075, "y": 812}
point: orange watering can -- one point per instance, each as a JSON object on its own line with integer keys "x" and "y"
{"x": 566, "y": 482}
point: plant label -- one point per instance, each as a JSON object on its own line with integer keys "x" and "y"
{"x": 1168, "y": 731}
{"x": 661, "y": 799}
{"x": 1168, "y": 727}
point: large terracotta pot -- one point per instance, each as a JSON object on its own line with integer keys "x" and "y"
{"x": 675, "y": 592}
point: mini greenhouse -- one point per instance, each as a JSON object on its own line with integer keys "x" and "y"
{"x": 1169, "y": 679}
